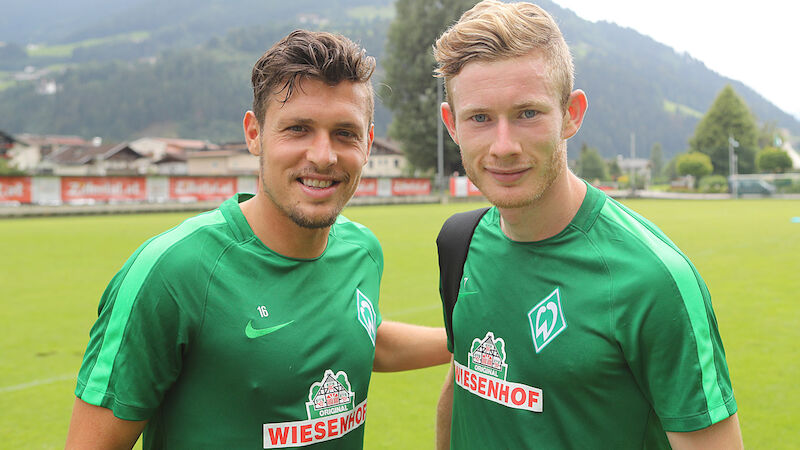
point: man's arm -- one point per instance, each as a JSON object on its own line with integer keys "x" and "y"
{"x": 402, "y": 346}
{"x": 723, "y": 435}
{"x": 444, "y": 412}
{"x": 96, "y": 428}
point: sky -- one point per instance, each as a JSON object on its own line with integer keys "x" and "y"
{"x": 752, "y": 42}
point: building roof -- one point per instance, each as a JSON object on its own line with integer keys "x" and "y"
{"x": 185, "y": 144}
{"x": 171, "y": 157}
{"x": 85, "y": 154}
{"x": 216, "y": 153}
{"x": 381, "y": 146}
{"x": 6, "y": 142}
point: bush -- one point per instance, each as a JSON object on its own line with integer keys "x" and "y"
{"x": 793, "y": 188}
{"x": 713, "y": 184}
{"x": 773, "y": 160}
{"x": 695, "y": 164}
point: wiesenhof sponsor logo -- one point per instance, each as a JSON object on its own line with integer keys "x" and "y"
{"x": 506, "y": 393}
{"x": 307, "y": 432}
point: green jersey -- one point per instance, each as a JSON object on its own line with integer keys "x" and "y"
{"x": 601, "y": 336}
{"x": 222, "y": 343}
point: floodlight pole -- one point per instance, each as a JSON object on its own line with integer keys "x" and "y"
{"x": 439, "y": 140}
{"x": 732, "y": 143}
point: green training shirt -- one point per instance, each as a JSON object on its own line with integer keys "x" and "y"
{"x": 601, "y": 337}
{"x": 222, "y": 343}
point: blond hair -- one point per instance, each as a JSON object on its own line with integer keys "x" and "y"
{"x": 493, "y": 31}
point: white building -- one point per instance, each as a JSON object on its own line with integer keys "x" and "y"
{"x": 385, "y": 160}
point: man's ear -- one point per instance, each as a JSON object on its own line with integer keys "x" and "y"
{"x": 252, "y": 133}
{"x": 370, "y": 138}
{"x": 449, "y": 119}
{"x": 573, "y": 116}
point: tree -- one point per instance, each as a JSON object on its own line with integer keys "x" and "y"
{"x": 769, "y": 135}
{"x": 591, "y": 166}
{"x": 656, "y": 160}
{"x": 773, "y": 160}
{"x": 614, "y": 171}
{"x": 409, "y": 88}
{"x": 7, "y": 169}
{"x": 695, "y": 164}
{"x": 671, "y": 169}
{"x": 728, "y": 116}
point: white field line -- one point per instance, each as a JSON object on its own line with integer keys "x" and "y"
{"x": 35, "y": 383}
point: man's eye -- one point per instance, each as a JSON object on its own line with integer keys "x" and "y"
{"x": 347, "y": 134}
{"x": 529, "y": 114}
{"x": 296, "y": 128}
{"x": 480, "y": 117}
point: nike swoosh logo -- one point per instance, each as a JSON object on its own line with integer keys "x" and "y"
{"x": 464, "y": 294}
{"x": 253, "y": 333}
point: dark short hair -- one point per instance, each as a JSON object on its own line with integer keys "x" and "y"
{"x": 328, "y": 57}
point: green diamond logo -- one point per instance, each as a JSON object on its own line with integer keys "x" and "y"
{"x": 547, "y": 320}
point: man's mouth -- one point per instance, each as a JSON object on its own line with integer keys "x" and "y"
{"x": 316, "y": 183}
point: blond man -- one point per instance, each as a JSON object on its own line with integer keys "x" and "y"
{"x": 577, "y": 324}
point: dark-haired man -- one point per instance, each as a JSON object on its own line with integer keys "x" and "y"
{"x": 256, "y": 325}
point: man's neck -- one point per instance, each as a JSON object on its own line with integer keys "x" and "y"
{"x": 548, "y": 215}
{"x": 278, "y": 232}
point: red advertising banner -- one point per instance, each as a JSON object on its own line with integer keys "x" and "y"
{"x": 368, "y": 187}
{"x": 463, "y": 187}
{"x": 201, "y": 188}
{"x": 471, "y": 189}
{"x": 76, "y": 189}
{"x": 15, "y": 189}
{"x": 411, "y": 186}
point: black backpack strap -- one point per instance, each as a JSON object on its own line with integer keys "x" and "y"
{"x": 453, "y": 245}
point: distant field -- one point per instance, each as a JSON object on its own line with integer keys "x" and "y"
{"x": 53, "y": 270}
{"x": 65, "y": 50}
{"x": 372, "y": 12}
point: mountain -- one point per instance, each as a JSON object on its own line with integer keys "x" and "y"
{"x": 134, "y": 67}
{"x": 637, "y": 85}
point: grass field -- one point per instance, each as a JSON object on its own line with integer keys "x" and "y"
{"x": 53, "y": 270}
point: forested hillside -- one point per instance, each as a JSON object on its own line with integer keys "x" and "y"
{"x": 181, "y": 68}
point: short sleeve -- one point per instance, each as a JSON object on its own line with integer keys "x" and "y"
{"x": 135, "y": 347}
{"x": 666, "y": 327}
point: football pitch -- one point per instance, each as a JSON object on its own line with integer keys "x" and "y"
{"x": 53, "y": 271}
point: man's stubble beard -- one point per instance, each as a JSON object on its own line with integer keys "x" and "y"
{"x": 295, "y": 213}
{"x": 554, "y": 167}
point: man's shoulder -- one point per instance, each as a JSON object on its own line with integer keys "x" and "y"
{"x": 356, "y": 234}
{"x": 183, "y": 245}
{"x": 635, "y": 248}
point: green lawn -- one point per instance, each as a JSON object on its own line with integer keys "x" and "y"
{"x": 53, "y": 270}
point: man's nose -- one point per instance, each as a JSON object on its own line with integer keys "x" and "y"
{"x": 321, "y": 152}
{"x": 505, "y": 141}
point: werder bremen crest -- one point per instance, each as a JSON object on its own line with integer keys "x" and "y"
{"x": 330, "y": 396}
{"x": 488, "y": 356}
{"x": 547, "y": 320}
{"x": 366, "y": 314}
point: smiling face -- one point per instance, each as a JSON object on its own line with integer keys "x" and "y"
{"x": 508, "y": 120}
{"x": 312, "y": 149}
